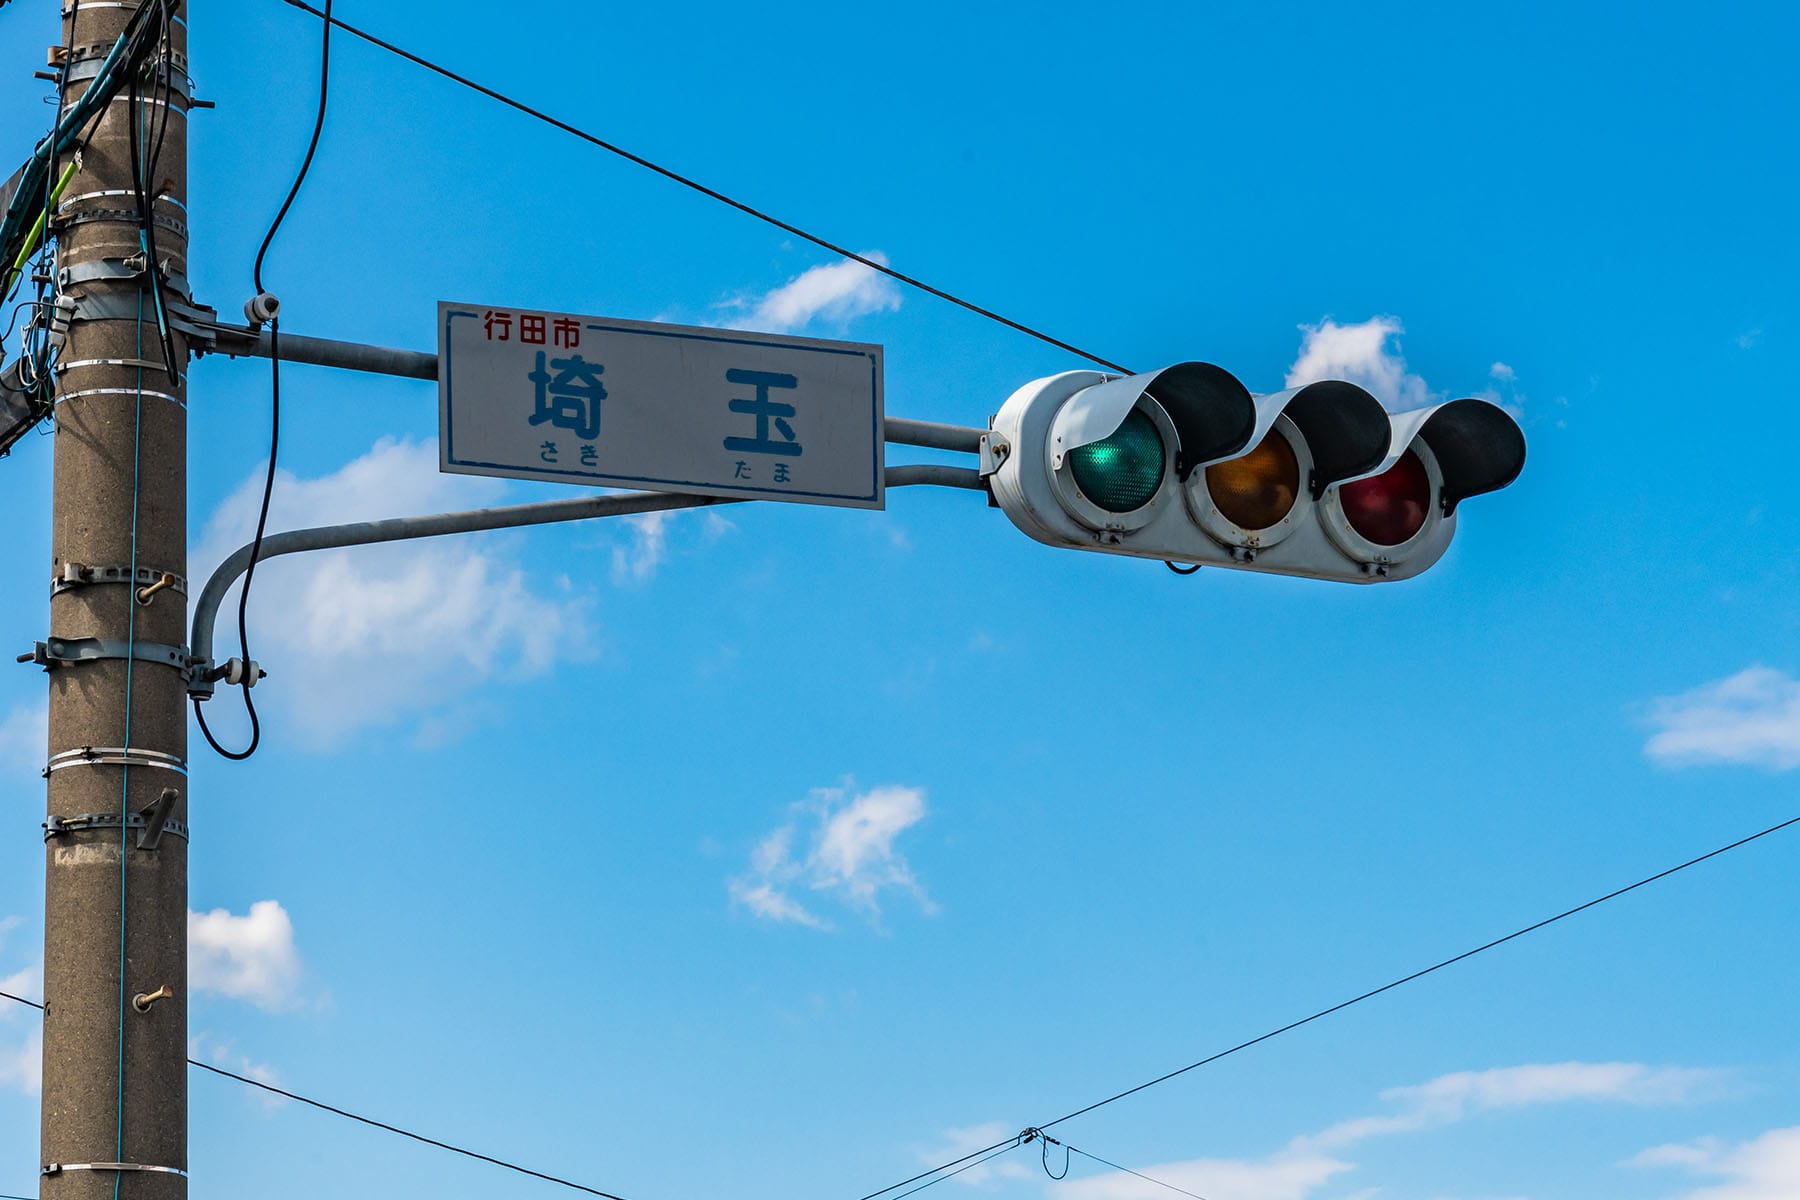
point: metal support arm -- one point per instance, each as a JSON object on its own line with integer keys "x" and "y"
{"x": 363, "y": 533}
{"x": 236, "y": 340}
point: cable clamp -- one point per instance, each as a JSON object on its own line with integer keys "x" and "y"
{"x": 114, "y": 756}
{"x": 58, "y": 1168}
{"x": 196, "y": 322}
{"x": 169, "y": 65}
{"x": 151, "y": 824}
{"x": 62, "y": 652}
{"x": 120, "y": 216}
{"x": 74, "y": 575}
{"x": 112, "y": 270}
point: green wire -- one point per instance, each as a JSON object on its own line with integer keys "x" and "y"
{"x": 36, "y": 234}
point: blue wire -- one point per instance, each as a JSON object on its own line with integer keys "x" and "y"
{"x": 137, "y": 445}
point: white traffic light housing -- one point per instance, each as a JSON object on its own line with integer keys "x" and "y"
{"x": 1185, "y": 465}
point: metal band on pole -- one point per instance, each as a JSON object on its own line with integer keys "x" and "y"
{"x": 58, "y": 1168}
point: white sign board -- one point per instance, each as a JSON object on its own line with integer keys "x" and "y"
{"x": 669, "y": 408}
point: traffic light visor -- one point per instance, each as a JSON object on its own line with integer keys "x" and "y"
{"x": 1212, "y": 413}
{"x": 1478, "y": 446}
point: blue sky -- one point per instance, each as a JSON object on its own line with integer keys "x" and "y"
{"x": 791, "y": 850}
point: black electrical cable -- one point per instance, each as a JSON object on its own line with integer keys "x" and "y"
{"x": 1404, "y": 979}
{"x": 1012, "y": 1143}
{"x": 710, "y": 193}
{"x": 141, "y": 189}
{"x": 147, "y": 187}
{"x": 262, "y": 516}
{"x": 407, "y": 1133}
{"x": 943, "y": 1171}
{"x": 1386, "y": 987}
{"x": 1146, "y": 1178}
{"x": 370, "y": 1121}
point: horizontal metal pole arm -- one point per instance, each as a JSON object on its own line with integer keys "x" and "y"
{"x": 546, "y": 512}
{"x": 236, "y": 340}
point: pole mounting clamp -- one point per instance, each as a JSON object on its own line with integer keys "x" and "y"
{"x": 61, "y": 652}
{"x": 150, "y": 831}
{"x": 74, "y": 575}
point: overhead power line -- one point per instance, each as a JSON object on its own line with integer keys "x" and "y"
{"x": 1341, "y": 1006}
{"x": 1162, "y": 1183}
{"x": 974, "y": 1158}
{"x": 405, "y": 1133}
{"x": 710, "y": 193}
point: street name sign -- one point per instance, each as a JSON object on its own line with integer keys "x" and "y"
{"x": 527, "y": 394}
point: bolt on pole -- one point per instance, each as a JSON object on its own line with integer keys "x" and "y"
{"x": 115, "y": 894}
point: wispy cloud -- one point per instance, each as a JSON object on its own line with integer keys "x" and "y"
{"x": 645, "y": 548}
{"x": 1751, "y": 718}
{"x": 416, "y": 625}
{"x": 1287, "y": 1175}
{"x": 1451, "y": 1098}
{"x": 21, "y": 1035}
{"x": 835, "y": 293}
{"x": 971, "y": 1139}
{"x": 251, "y": 957}
{"x": 849, "y": 859}
{"x": 23, "y": 736}
{"x": 1308, "y": 1163}
{"x": 22, "y": 1061}
{"x": 204, "y": 1047}
{"x": 1764, "y": 1168}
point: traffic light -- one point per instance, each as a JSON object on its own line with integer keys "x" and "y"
{"x": 1185, "y": 465}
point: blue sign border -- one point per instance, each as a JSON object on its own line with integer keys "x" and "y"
{"x": 696, "y": 487}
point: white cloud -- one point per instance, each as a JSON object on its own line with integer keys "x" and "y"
{"x": 648, "y": 538}
{"x": 837, "y": 292}
{"x": 1764, "y": 1168}
{"x": 1307, "y": 1163}
{"x": 1451, "y": 1098}
{"x": 1752, "y": 718}
{"x": 850, "y": 857}
{"x": 373, "y": 635}
{"x": 1284, "y": 1176}
{"x": 22, "y": 1064}
{"x": 21, "y": 1035}
{"x": 972, "y": 1139}
{"x": 251, "y": 957}
{"x": 1748, "y": 338}
{"x": 24, "y": 733}
{"x": 1360, "y": 353}
{"x": 1368, "y": 353}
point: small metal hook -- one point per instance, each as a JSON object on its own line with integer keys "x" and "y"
{"x": 143, "y": 1000}
{"x": 145, "y": 594}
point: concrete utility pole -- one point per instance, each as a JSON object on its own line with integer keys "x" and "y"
{"x": 115, "y": 895}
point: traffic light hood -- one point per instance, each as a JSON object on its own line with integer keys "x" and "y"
{"x": 1213, "y": 414}
{"x": 1345, "y": 427}
{"x": 1478, "y": 445}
